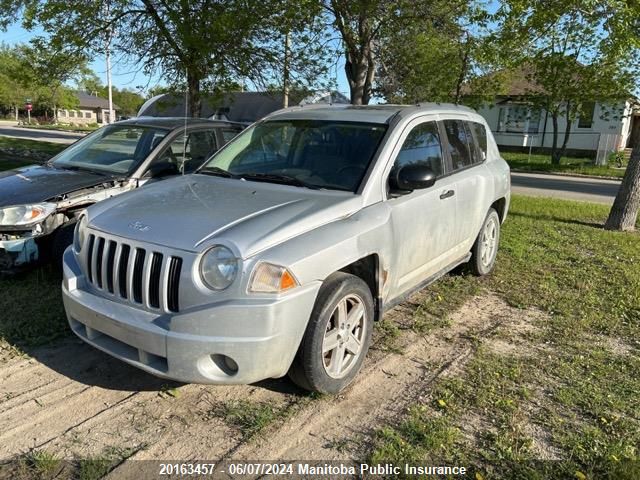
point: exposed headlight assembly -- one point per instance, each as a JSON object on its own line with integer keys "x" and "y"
{"x": 80, "y": 234}
{"x": 270, "y": 278}
{"x": 218, "y": 267}
{"x": 25, "y": 215}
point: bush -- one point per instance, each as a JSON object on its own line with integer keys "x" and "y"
{"x": 616, "y": 159}
{"x": 92, "y": 125}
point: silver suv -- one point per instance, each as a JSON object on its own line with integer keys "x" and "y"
{"x": 284, "y": 248}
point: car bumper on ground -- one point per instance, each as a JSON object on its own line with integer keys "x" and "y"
{"x": 16, "y": 254}
{"x": 240, "y": 343}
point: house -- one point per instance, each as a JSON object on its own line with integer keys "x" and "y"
{"x": 243, "y": 107}
{"x": 605, "y": 127}
{"x": 91, "y": 109}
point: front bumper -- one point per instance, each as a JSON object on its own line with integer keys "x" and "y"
{"x": 260, "y": 336}
{"x": 16, "y": 254}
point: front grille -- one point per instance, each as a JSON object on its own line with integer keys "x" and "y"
{"x": 142, "y": 276}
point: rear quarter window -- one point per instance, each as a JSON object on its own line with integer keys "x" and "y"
{"x": 480, "y": 134}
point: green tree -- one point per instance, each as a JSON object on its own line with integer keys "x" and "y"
{"x": 574, "y": 53}
{"x": 412, "y": 55}
{"x": 198, "y": 44}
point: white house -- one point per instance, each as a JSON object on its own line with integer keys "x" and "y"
{"x": 604, "y": 128}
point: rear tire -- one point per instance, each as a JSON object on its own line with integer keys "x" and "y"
{"x": 337, "y": 337}
{"x": 485, "y": 248}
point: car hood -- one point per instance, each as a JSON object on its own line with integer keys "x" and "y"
{"x": 38, "y": 183}
{"x": 196, "y": 211}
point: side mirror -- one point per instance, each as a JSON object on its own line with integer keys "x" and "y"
{"x": 413, "y": 177}
{"x": 162, "y": 169}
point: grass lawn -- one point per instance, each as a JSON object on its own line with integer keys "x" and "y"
{"x": 575, "y": 388}
{"x": 22, "y": 143}
{"x": 8, "y": 162}
{"x": 542, "y": 163}
{"x": 63, "y": 128}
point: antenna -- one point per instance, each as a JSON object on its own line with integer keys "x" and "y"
{"x": 184, "y": 136}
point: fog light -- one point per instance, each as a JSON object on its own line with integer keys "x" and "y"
{"x": 226, "y": 364}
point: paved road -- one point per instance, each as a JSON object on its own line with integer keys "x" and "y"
{"x": 54, "y": 136}
{"x": 560, "y": 186}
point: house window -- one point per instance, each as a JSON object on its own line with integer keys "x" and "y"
{"x": 87, "y": 114}
{"x": 72, "y": 113}
{"x": 586, "y": 115}
{"x": 518, "y": 119}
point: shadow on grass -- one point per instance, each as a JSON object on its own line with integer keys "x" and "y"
{"x": 554, "y": 218}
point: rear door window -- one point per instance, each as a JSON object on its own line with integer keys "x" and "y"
{"x": 460, "y": 143}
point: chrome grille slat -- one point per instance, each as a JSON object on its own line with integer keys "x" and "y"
{"x": 133, "y": 273}
{"x": 146, "y": 279}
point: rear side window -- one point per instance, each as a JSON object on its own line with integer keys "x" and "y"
{"x": 228, "y": 134}
{"x": 480, "y": 134}
{"x": 422, "y": 146}
{"x": 460, "y": 143}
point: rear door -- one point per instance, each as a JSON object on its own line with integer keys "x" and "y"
{"x": 467, "y": 149}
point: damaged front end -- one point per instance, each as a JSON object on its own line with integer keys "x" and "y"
{"x": 33, "y": 233}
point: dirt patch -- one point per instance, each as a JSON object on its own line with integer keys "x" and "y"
{"x": 75, "y": 401}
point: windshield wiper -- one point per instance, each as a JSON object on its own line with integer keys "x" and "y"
{"x": 217, "y": 171}
{"x": 278, "y": 178}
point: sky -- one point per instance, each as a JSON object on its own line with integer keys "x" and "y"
{"x": 125, "y": 75}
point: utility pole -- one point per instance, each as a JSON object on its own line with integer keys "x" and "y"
{"x": 285, "y": 75}
{"x": 108, "y": 58}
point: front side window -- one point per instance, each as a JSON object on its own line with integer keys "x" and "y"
{"x": 422, "y": 146}
{"x": 460, "y": 143}
{"x": 312, "y": 153}
{"x": 113, "y": 149}
{"x": 188, "y": 153}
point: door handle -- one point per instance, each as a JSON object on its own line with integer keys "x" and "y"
{"x": 447, "y": 194}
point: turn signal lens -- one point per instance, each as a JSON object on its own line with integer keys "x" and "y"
{"x": 269, "y": 278}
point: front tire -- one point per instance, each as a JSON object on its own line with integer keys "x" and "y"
{"x": 337, "y": 337}
{"x": 485, "y": 248}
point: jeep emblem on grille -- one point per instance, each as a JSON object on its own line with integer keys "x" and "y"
{"x": 141, "y": 227}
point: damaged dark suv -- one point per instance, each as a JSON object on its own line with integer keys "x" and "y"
{"x": 39, "y": 204}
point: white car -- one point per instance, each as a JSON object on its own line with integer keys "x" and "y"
{"x": 284, "y": 248}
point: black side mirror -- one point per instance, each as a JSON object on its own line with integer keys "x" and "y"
{"x": 162, "y": 169}
{"x": 413, "y": 177}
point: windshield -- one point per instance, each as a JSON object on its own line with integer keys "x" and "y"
{"x": 116, "y": 149}
{"x": 315, "y": 154}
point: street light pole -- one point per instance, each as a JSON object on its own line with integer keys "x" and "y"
{"x": 108, "y": 58}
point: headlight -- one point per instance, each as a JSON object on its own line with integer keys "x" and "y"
{"x": 25, "y": 215}
{"x": 80, "y": 234}
{"x": 269, "y": 278}
{"x": 218, "y": 267}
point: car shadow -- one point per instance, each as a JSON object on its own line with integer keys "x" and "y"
{"x": 555, "y": 218}
{"x": 89, "y": 366}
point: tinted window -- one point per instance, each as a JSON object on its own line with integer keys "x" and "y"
{"x": 229, "y": 134}
{"x": 460, "y": 143}
{"x": 422, "y": 146}
{"x": 324, "y": 154}
{"x": 189, "y": 153}
{"x": 481, "y": 136}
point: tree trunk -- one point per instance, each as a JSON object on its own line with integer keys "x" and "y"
{"x": 17, "y": 115}
{"x": 555, "y": 159}
{"x": 359, "y": 68}
{"x": 565, "y": 141}
{"x": 624, "y": 212}
{"x": 195, "y": 102}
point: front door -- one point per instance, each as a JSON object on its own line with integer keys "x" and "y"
{"x": 423, "y": 221}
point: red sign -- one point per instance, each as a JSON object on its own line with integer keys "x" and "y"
{"x": 28, "y": 106}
